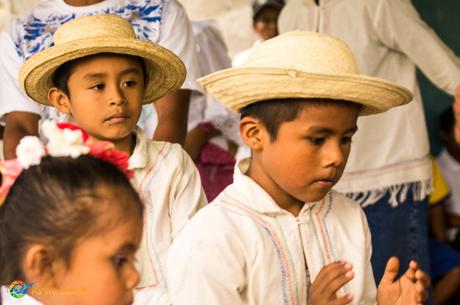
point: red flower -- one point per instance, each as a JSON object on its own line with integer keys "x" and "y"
{"x": 105, "y": 151}
{"x": 72, "y": 126}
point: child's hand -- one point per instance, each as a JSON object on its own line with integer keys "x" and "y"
{"x": 329, "y": 280}
{"x": 409, "y": 289}
{"x": 456, "y": 108}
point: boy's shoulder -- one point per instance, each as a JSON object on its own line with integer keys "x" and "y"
{"x": 168, "y": 153}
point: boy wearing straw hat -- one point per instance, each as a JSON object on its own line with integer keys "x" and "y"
{"x": 279, "y": 234}
{"x": 100, "y": 74}
{"x": 160, "y": 21}
{"x": 389, "y": 169}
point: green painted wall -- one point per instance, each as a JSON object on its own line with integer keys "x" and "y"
{"x": 444, "y": 18}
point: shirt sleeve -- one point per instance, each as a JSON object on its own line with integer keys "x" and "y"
{"x": 206, "y": 267}
{"x": 188, "y": 195}
{"x": 176, "y": 35}
{"x": 399, "y": 26}
{"x": 12, "y": 98}
{"x": 370, "y": 289}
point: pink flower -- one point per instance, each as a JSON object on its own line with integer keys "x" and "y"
{"x": 10, "y": 170}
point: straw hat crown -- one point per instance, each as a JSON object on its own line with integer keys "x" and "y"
{"x": 91, "y": 35}
{"x": 305, "y": 65}
{"x": 317, "y": 54}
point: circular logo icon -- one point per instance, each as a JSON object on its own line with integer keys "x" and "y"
{"x": 17, "y": 289}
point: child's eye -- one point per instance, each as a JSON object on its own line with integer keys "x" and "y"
{"x": 317, "y": 140}
{"x": 346, "y": 140}
{"x": 98, "y": 87}
{"x": 119, "y": 261}
{"x": 129, "y": 83}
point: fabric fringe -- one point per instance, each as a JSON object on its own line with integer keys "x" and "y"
{"x": 398, "y": 193}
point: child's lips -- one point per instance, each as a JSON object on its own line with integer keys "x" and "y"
{"x": 326, "y": 183}
{"x": 117, "y": 118}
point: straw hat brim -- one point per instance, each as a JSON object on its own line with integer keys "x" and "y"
{"x": 166, "y": 71}
{"x": 237, "y": 88}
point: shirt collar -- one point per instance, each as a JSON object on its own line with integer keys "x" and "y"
{"x": 139, "y": 158}
{"x": 247, "y": 192}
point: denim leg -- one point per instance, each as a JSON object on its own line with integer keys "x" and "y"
{"x": 399, "y": 231}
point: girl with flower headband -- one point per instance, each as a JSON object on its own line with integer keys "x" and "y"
{"x": 100, "y": 74}
{"x": 70, "y": 222}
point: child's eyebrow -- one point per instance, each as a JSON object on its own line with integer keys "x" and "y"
{"x": 330, "y": 131}
{"x": 127, "y": 247}
{"x": 131, "y": 70}
{"x": 91, "y": 76}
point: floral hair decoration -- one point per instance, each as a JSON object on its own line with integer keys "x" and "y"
{"x": 63, "y": 140}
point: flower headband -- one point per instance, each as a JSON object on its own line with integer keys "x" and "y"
{"x": 64, "y": 140}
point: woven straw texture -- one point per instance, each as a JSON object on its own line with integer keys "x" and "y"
{"x": 101, "y": 34}
{"x": 303, "y": 65}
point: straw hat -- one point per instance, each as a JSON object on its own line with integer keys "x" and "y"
{"x": 101, "y": 34}
{"x": 303, "y": 65}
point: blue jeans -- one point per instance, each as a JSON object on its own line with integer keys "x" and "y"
{"x": 399, "y": 231}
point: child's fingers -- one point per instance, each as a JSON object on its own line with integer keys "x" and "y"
{"x": 335, "y": 284}
{"x": 346, "y": 299}
{"x": 329, "y": 273}
{"x": 422, "y": 284}
{"x": 318, "y": 288}
{"x": 411, "y": 271}
{"x": 391, "y": 270}
{"x": 422, "y": 277}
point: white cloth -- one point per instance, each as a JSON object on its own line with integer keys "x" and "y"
{"x": 7, "y": 299}
{"x": 212, "y": 55}
{"x": 160, "y": 21}
{"x": 241, "y": 57}
{"x": 450, "y": 169}
{"x": 170, "y": 187}
{"x": 385, "y": 36}
{"x": 244, "y": 249}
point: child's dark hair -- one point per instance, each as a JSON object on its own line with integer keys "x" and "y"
{"x": 272, "y": 113}
{"x": 447, "y": 121}
{"x": 63, "y": 72}
{"x": 57, "y": 203}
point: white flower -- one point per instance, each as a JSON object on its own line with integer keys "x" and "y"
{"x": 30, "y": 151}
{"x": 64, "y": 142}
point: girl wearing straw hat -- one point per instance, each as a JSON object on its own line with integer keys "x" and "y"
{"x": 100, "y": 74}
{"x": 160, "y": 21}
{"x": 279, "y": 234}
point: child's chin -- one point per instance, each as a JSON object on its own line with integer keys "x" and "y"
{"x": 316, "y": 196}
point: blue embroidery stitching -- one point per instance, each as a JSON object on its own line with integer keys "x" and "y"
{"x": 34, "y": 34}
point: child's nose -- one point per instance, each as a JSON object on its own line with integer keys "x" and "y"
{"x": 133, "y": 278}
{"x": 335, "y": 156}
{"x": 117, "y": 97}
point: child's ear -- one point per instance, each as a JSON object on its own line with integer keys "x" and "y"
{"x": 38, "y": 265}
{"x": 60, "y": 100}
{"x": 252, "y": 133}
